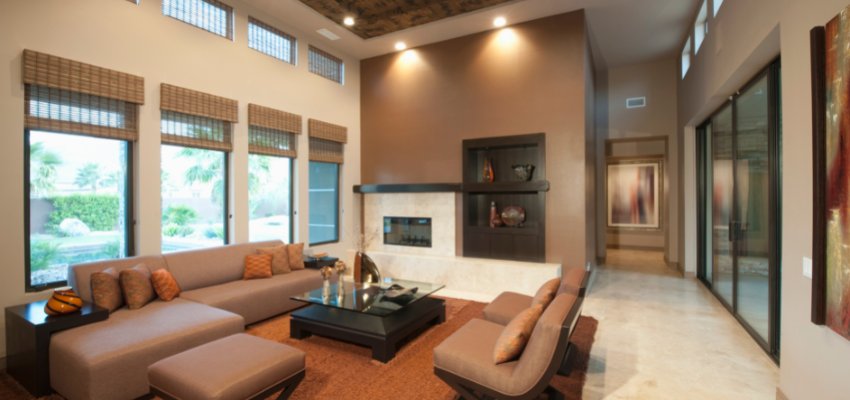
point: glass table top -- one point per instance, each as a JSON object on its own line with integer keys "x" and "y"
{"x": 366, "y": 298}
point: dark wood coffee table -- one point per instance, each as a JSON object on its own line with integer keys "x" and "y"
{"x": 365, "y": 315}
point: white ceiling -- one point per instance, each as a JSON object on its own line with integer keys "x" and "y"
{"x": 625, "y": 32}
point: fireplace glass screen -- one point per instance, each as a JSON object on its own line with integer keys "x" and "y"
{"x": 407, "y": 231}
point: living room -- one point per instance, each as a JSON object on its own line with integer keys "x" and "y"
{"x": 310, "y": 199}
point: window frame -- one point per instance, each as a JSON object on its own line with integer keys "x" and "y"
{"x": 129, "y": 214}
{"x": 313, "y": 49}
{"x": 227, "y": 213}
{"x": 231, "y": 23}
{"x": 338, "y": 209}
{"x": 270, "y": 29}
{"x": 291, "y": 197}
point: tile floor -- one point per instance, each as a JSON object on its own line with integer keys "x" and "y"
{"x": 664, "y": 337}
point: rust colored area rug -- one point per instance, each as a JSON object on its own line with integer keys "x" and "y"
{"x": 338, "y": 370}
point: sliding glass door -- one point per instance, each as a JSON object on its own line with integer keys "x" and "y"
{"x": 739, "y": 200}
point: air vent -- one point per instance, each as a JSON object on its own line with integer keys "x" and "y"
{"x": 636, "y": 102}
{"x": 328, "y": 34}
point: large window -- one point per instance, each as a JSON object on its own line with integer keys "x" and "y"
{"x": 325, "y": 64}
{"x": 79, "y": 198}
{"x": 194, "y": 200}
{"x": 270, "y": 198}
{"x": 274, "y": 42}
{"x": 209, "y": 15}
{"x": 324, "y": 202}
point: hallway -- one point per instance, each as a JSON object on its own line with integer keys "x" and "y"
{"x": 664, "y": 337}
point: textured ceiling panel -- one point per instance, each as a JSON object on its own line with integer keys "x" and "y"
{"x": 373, "y": 18}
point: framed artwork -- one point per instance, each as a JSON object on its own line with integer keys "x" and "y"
{"x": 831, "y": 147}
{"x": 633, "y": 190}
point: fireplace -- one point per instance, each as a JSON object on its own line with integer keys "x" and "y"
{"x": 407, "y": 231}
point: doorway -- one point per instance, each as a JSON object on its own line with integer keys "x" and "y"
{"x": 739, "y": 200}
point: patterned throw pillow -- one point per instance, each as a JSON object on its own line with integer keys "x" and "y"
{"x": 105, "y": 289}
{"x": 296, "y": 256}
{"x": 513, "y": 339}
{"x": 137, "y": 287}
{"x": 258, "y": 266}
{"x": 280, "y": 259}
{"x": 164, "y": 285}
{"x": 546, "y": 293}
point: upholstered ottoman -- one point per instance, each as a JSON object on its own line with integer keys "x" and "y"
{"x": 238, "y": 367}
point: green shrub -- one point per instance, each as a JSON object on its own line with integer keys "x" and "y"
{"x": 98, "y": 211}
{"x": 42, "y": 254}
{"x": 179, "y": 214}
{"x": 184, "y": 231}
{"x": 212, "y": 233}
{"x": 172, "y": 230}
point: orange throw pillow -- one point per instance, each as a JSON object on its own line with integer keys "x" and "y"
{"x": 137, "y": 287}
{"x": 258, "y": 266}
{"x": 546, "y": 293}
{"x": 280, "y": 259}
{"x": 296, "y": 256}
{"x": 106, "y": 290}
{"x": 165, "y": 285}
{"x": 513, "y": 339}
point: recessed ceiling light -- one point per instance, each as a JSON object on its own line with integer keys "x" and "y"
{"x": 499, "y": 21}
{"x": 400, "y": 46}
{"x": 348, "y": 21}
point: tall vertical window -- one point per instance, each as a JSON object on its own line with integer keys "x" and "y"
{"x": 324, "y": 202}
{"x": 717, "y": 4}
{"x": 209, "y": 15}
{"x": 701, "y": 26}
{"x": 274, "y": 42}
{"x": 78, "y": 174}
{"x": 196, "y": 139}
{"x": 686, "y": 58}
{"x": 325, "y": 64}
{"x": 271, "y": 144}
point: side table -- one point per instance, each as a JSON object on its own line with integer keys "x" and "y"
{"x": 28, "y": 331}
{"x": 318, "y": 264}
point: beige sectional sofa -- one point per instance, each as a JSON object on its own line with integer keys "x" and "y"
{"x": 108, "y": 360}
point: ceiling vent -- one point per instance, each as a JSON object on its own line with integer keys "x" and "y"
{"x": 328, "y": 34}
{"x": 636, "y": 102}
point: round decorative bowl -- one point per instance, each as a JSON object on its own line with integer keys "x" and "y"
{"x": 513, "y": 215}
{"x": 64, "y": 301}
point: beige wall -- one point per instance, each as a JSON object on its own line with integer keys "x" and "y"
{"x": 419, "y": 105}
{"x": 140, "y": 40}
{"x": 742, "y": 40}
{"x": 657, "y": 82}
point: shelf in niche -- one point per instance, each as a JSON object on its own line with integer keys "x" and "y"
{"x": 505, "y": 230}
{"x": 519, "y": 186}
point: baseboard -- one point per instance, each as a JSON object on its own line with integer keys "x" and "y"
{"x": 600, "y": 261}
{"x": 690, "y": 275}
{"x": 780, "y": 395}
{"x": 630, "y": 247}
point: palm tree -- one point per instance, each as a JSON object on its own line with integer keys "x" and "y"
{"x": 208, "y": 169}
{"x": 89, "y": 175}
{"x": 43, "y": 165}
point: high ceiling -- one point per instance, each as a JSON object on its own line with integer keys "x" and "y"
{"x": 624, "y": 32}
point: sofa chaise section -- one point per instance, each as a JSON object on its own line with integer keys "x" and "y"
{"x": 258, "y": 299}
{"x": 109, "y": 360}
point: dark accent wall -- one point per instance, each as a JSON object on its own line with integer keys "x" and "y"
{"x": 417, "y": 107}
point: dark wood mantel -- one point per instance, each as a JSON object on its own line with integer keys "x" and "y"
{"x": 409, "y": 188}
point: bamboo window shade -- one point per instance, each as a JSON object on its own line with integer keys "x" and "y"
{"x": 209, "y": 15}
{"x": 326, "y": 141}
{"x": 272, "y": 132}
{"x": 66, "y": 96}
{"x": 195, "y": 119}
{"x": 325, "y": 64}
{"x": 272, "y": 41}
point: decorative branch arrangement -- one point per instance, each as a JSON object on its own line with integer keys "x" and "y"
{"x": 361, "y": 239}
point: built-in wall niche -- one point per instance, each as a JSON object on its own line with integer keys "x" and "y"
{"x": 526, "y": 242}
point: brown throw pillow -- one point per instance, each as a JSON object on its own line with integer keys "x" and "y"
{"x": 137, "y": 287}
{"x": 296, "y": 256}
{"x": 106, "y": 290}
{"x": 258, "y": 266}
{"x": 546, "y": 293}
{"x": 164, "y": 284}
{"x": 280, "y": 259}
{"x": 513, "y": 339}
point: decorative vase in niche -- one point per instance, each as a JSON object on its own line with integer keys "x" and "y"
{"x": 64, "y": 301}
{"x": 523, "y": 172}
{"x": 368, "y": 270}
{"x": 488, "y": 170}
{"x": 495, "y": 219}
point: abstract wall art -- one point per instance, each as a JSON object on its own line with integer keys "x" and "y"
{"x": 634, "y": 194}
